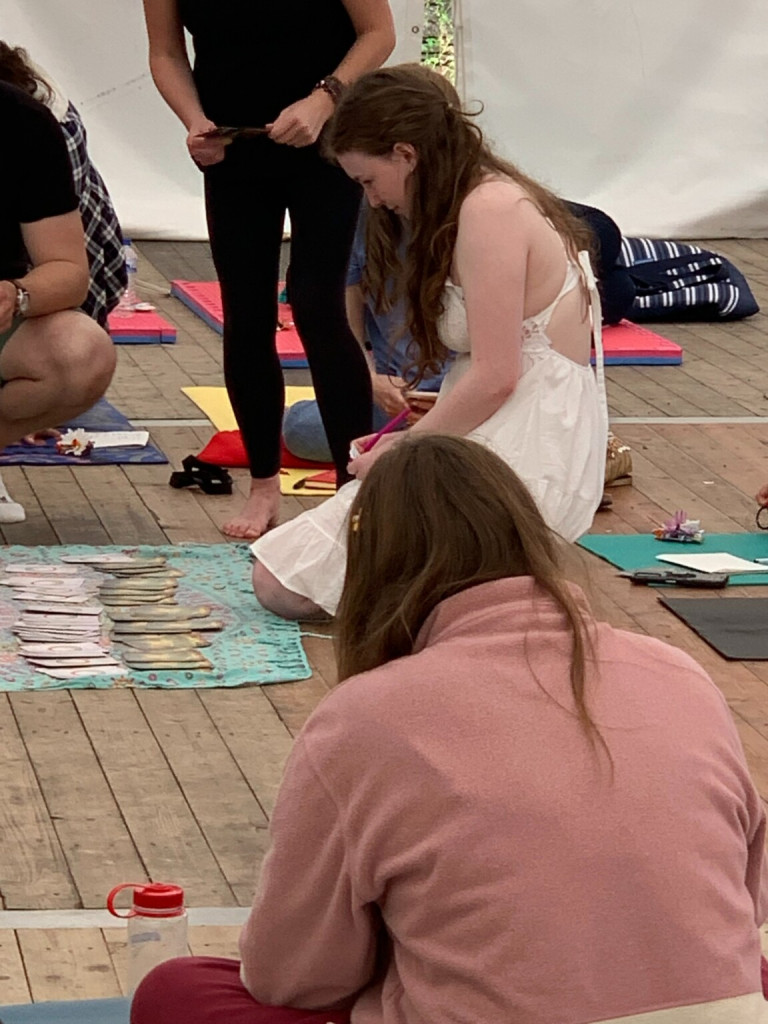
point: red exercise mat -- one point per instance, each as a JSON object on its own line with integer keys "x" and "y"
{"x": 204, "y": 299}
{"x": 628, "y": 344}
{"x": 142, "y": 327}
{"x": 226, "y": 449}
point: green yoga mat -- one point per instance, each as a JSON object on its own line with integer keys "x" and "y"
{"x": 253, "y": 647}
{"x": 639, "y": 550}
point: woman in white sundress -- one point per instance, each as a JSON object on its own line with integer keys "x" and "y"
{"x": 496, "y": 269}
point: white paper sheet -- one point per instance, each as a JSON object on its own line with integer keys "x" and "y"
{"x": 119, "y": 438}
{"x": 713, "y": 561}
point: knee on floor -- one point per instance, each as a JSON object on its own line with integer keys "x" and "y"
{"x": 276, "y": 598}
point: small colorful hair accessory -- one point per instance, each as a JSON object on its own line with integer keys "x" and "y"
{"x": 355, "y": 522}
{"x": 74, "y": 442}
{"x": 681, "y": 529}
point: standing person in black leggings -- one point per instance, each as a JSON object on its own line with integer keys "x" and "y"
{"x": 281, "y": 65}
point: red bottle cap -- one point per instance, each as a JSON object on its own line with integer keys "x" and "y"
{"x": 154, "y": 899}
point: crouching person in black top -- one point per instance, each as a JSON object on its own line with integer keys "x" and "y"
{"x": 55, "y": 362}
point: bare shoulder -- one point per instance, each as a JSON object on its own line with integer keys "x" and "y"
{"x": 494, "y": 196}
{"x": 498, "y": 204}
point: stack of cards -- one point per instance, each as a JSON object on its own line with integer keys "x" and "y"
{"x": 151, "y": 629}
{"x": 31, "y": 581}
{"x": 129, "y": 570}
{"x": 162, "y": 636}
{"x": 59, "y": 629}
{"x": 132, "y": 581}
{"x": 60, "y": 625}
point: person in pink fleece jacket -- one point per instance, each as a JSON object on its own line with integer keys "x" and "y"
{"x": 508, "y": 812}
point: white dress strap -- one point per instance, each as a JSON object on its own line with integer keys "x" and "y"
{"x": 596, "y": 321}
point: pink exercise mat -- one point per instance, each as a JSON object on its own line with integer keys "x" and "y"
{"x": 204, "y": 299}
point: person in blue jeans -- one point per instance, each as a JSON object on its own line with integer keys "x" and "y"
{"x": 386, "y": 342}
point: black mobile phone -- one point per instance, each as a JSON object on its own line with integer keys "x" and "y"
{"x": 229, "y": 133}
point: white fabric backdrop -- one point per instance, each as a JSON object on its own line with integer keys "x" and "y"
{"x": 96, "y": 51}
{"x": 654, "y": 110}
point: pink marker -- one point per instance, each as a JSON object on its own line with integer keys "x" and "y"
{"x": 386, "y": 429}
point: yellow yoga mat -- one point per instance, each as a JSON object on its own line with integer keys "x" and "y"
{"x": 214, "y": 402}
{"x": 290, "y": 483}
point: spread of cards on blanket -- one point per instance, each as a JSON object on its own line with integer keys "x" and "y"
{"x": 61, "y": 622}
{"x": 147, "y": 616}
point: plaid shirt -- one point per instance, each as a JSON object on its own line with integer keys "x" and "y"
{"x": 103, "y": 237}
{"x": 674, "y": 277}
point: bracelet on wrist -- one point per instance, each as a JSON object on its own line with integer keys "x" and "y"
{"x": 333, "y": 86}
{"x": 21, "y": 307}
{"x": 21, "y": 303}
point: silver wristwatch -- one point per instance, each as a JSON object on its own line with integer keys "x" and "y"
{"x": 22, "y": 300}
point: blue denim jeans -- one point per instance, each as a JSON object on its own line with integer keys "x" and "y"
{"x": 304, "y": 433}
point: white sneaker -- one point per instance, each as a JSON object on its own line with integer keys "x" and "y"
{"x": 10, "y": 511}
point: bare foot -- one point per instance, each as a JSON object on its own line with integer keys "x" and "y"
{"x": 260, "y": 513}
{"x": 40, "y": 436}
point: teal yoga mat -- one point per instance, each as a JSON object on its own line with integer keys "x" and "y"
{"x": 78, "y": 1011}
{"x": 253, "y": 647}
{"x": 639, "y": 550}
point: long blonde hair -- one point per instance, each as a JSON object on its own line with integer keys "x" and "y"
{"x": 435, "y": 516}
{"x": 412, "y": 104}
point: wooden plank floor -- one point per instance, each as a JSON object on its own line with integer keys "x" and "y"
{"x": 99, "y": 787}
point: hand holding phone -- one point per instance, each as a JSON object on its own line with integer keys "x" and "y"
{"x": 227, "y": 134}
{"x": 423, "y": 399}
{"x": 419, "y": 402}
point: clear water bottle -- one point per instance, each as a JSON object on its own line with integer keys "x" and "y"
{"x": 157, "y": 926}
{"x": 129, "y": 300}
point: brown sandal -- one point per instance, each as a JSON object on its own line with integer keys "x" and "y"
{"x": 618, "y": 463}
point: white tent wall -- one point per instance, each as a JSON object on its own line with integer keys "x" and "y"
{"x": 97, "y": 52}
{"x": 654, "y": 111}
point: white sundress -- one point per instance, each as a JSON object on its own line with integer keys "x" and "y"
{"x": 552, "y": 430}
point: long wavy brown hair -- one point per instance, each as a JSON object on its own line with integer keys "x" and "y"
{"x": 15, "y": 69}
{"x": 412, "y": 104}
{"x": 436, "y": 515}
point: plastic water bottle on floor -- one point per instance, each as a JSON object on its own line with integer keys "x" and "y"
{"x": 157, "y": 926}
{"x": 129, "y": 300}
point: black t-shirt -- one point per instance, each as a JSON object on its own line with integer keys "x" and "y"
{"x": 253, "y": 57}
{"x": 35, "y": 174}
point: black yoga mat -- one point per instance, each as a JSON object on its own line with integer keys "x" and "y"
{"x": 737, "y": 627}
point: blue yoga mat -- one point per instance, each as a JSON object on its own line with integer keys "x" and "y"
{"x": 103, "y": 416}
{"x": 76, "y": 1011}
{"x": 639, "y": 550}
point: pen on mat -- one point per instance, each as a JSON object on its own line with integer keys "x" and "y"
{"x": 386, "y": 429}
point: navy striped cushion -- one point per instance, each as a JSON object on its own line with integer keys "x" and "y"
{"x": 676, "y": 280}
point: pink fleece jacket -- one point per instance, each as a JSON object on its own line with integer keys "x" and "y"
{"x": 447, "y": 848}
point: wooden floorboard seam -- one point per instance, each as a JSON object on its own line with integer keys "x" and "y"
{"x": 152, "y": 763}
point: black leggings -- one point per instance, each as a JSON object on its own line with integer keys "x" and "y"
{"x": 246, "y": 199}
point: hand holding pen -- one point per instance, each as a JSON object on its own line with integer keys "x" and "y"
{"x": 369, "y": 442}
{"x": 359, "y": 466}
